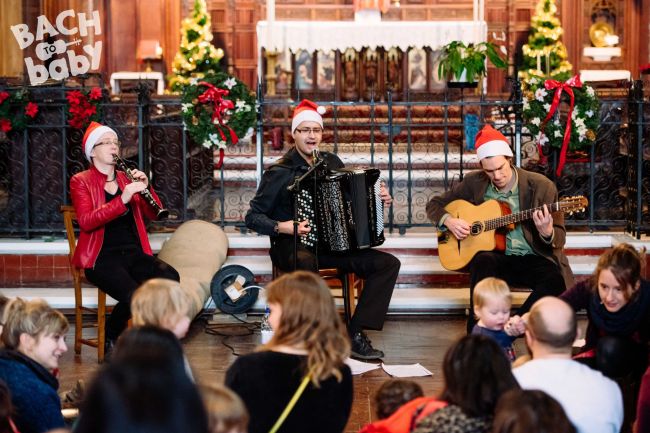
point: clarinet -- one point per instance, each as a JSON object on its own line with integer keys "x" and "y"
{"x": 146, "y": 194}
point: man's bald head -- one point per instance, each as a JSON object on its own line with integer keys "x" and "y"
{"x": 552, "y": 322}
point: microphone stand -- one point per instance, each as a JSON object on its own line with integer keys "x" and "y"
{"x": 295, "y": 188}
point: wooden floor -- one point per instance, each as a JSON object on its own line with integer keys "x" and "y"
{"x": 404, "y": 341}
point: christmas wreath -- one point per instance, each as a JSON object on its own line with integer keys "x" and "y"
{"x": 542, "y": 99}
{"x": 16, "y": 110}
{"x": 83, "y": 107}
{"x": 217, "y": 110}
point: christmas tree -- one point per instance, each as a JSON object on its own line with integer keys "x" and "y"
{"x": 545, "y": 55}
{"x": 197, "y": 57}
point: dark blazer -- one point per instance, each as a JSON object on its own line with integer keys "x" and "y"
{"x": 534, "y": 190}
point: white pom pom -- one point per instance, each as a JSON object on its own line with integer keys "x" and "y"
{"x": 321, "y": 110}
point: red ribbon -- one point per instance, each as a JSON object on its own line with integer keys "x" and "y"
{"x": 559, "y": 87}
{"x": 216, "y": 96}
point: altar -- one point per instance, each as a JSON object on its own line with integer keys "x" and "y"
{"x": 351, "y": 60}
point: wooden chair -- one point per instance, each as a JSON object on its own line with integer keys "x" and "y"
{"x": 349, "y": 283}
{"x": 69, "y": 218}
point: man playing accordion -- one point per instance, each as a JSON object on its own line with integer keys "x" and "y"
{"x": 271, "y": 213}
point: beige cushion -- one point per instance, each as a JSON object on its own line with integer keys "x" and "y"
{"x": 197, "y": 249}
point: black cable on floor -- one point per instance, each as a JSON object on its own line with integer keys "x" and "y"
{"x": 228, "y": 330}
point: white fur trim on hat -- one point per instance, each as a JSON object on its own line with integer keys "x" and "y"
{"x": 493, "y": 148}
{"x": 93, "y": 137}
{"x": 307, "y": 116}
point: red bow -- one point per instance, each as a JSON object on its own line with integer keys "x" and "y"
{"x": 559, "y": 88}
{"x": 220, "y": 106}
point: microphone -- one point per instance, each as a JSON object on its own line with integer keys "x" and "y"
{"x": 314, "y": 156}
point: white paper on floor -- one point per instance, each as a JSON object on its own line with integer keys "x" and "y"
{"x": 359, "y": 367}
{"x": 412, "y": 370}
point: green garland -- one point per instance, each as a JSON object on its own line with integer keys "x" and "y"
{"x": 197, "y": 116}
{"x": 585, "y": 119}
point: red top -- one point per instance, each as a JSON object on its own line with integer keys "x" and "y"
{"x": 89, "y": 201}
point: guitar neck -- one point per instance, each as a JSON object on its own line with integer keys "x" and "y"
{"x": 505, "y": 220}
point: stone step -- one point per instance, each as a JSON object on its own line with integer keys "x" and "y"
{"x": 421, "y": 300}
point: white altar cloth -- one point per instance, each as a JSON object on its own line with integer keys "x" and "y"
{"x": 340, "y": 35}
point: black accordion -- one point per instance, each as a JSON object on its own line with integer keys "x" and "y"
{"x": 346, "y": 212}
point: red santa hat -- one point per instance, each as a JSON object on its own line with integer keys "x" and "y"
{"x": 93, "y": 132}
{"x": 490, "y": 142}
{"x": 307, "y": 111}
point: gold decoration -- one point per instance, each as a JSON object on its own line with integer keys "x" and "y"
{"x": 591, "y": 135}
{"x": 598, "y": 32}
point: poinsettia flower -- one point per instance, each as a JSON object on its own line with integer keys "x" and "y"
{"x": 31, "y": 109}
{"x": 95, "y": 93}
{"x": 230, "y": 83}
{"x": 540, "y": 94}
{"x": 3, "y": 96}
{"x": 74, "y": 97}
{"x": 5, "y": 125}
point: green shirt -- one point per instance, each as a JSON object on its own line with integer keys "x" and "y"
{"x": 516, "y": 244}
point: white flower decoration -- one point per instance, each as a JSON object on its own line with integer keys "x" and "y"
{"x": 241, "y": 105}
{"x": 547, "y": 107}
{"x": 249, "y": 134}
{"x": 540, "y": 94}
{"x": 214, "y": 137}
{"x": 230, "y": 83}
{"x": 536, "y": 121}
{"x": 590, "y": 91}
{"x": 186, "y": 107}
{"x": 589, "y": 113}
{"x": 207, "y": 144}
{"x": 526, "y": 106}
{"x": 557, "y": 133}
{"x": 542, "y": 139}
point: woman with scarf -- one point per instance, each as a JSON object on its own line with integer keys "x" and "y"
{"x": 617, "y": 301}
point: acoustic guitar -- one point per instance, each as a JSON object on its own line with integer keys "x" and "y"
{"x": 485, "y": 220}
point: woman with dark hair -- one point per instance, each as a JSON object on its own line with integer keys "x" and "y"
{"x": 617, "y": 301}
{"x": 476, "y": 373}
{"x": 530, "y": 411}
{"x": 34, "y": 340}
{"x": 309, "y": 347}
{"x": 144, "y": 389}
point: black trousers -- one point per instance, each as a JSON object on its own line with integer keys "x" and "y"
{"x": 119, "y": 273}
{"x": 378, "y": 268}
{"x": 538, "y": 273}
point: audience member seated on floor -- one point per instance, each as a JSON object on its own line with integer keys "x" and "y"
{"x": 143, "y": 388}
{"x": 530, "y": 411}
{"x": 309, "y": 346}
{"x": 492, "y": 302}
{"x": 394, "y": 393}
{"x": 642, "y": 424}
{"x": 34, "y": 339}
{"x": 163, "y": 303}
{"x": 226, "y": 411}
{"x": 592, "y": 401}
{"x": 476, "y": 373}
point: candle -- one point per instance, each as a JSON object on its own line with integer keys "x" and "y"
{"x": 539, "y": 63}
{"x": 548, "y": 64}
{"x": 270, "y": 11}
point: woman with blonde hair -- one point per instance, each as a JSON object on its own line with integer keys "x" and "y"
{"x": 304, "y": 361}
{"x": 34, "y": 339}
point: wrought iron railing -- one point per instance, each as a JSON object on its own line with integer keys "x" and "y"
{"x": 422, "y": 148}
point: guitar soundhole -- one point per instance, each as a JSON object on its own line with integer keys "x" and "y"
{"x": 476, "y": 228}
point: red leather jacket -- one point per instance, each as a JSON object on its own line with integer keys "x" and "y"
{"x": 89, "y": 201}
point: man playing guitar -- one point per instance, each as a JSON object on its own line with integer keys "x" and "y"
{"x": 533, "y": 250}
